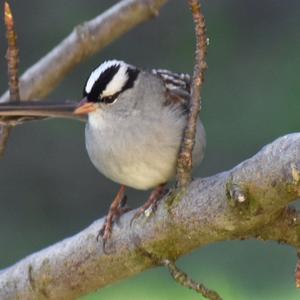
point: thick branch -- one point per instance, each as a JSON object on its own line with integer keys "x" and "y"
{"x": 85, "y": 40}
{"x": 248, "y": 201}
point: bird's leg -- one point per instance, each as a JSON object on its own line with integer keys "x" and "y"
{"x": 115, "y": 211}
{"x": 122, "y": 209}
{"x": 152, "y": 201}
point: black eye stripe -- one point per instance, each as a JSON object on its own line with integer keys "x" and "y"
{"x": 101, "y": 83}
{"x": 104, "y": 79}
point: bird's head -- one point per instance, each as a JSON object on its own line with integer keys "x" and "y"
{"x": 105, "y": 84}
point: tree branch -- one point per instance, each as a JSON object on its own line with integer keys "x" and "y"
{"x": 85, "y": 40}
{"x": 211, "y": 210}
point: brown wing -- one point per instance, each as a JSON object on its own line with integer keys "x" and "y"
{"x": 177, "y": 87}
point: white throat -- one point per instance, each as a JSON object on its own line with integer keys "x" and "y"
{"x": 96, "y": 119}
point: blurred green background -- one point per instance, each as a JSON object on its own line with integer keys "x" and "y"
{"x": 49, "y": 189}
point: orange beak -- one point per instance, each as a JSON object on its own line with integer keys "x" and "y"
{"x": 84, "y": 107}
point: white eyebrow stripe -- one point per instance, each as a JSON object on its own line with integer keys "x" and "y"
{"x": 117, "y": 82}
{"x": 99, "y": 70}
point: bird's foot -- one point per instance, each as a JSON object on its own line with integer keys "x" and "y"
{"x": 117, "y": 208}
{"x": 151, "y": 204}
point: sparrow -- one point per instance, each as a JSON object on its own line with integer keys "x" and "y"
{"x": 135, "y": 120}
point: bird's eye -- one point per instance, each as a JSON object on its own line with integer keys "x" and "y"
{"x": 109, "y": 99}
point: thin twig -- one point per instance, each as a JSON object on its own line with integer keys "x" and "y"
{"x": 4, "y": 135}
{"x": 12, "y": 57}
{"x": 183, "y": 279}
{"x": 297, "y": 271}
{"x": 184, "y": 165}
{"x": 12, "y": 54}
{"x": 178, "y": 275}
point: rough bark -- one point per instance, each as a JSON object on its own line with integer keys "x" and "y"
{"x": 249, "y": 201}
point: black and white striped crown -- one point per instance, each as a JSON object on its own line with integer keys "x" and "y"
{"x": 108, "y": 80}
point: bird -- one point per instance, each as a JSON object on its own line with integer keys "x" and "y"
{"x": 135, "y": 121}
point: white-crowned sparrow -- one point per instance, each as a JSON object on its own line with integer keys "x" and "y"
{"x": 135, "y": 126}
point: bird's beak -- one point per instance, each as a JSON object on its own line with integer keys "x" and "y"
{"x": 84, "y": 107}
